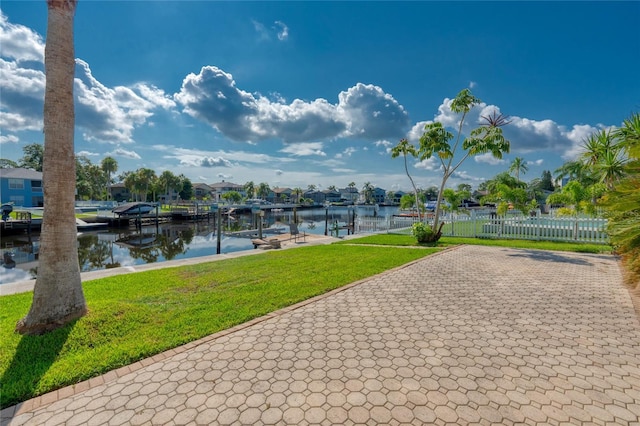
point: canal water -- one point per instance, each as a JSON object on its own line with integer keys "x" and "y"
{"x": 171, "y": 241}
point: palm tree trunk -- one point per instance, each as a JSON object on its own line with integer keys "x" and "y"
{"x": 57, "y": 296}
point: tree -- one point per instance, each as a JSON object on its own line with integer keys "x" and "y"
{"x": 169, "y": 182}
{"x": 186, "y": 193}
{"x": 263, "y": 190}
{"x": 58, "y": 297}
{"x": 7, "y": 164}
{"x": 405, "y": 148}
{"x": 332, "y": 188}
{"x": 90, "y": 179}
{"x": 518, "y": 165}
{"x": 367, "y": 190}
{"x": 298, "y": 193}
{"x": 604, "y": 157}
{"x": 109, "y": 165}
{"x": 311, "y": 187}
{"x": 546, "y": 181}
{"x": 575, "y": 170}
{"x": 623, "y": 202}
{"x": 576, "y": 198}
{"x": 250, "y": 189}
{"x": 130, "y": 182}
{"x": 145, "y": 182}
{"x": 436, "y": 139}
{"x": 232, "y": 197}
{"x": 33, "y": 157}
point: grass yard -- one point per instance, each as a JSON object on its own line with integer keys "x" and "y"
{"x": 408, "y": 240}
{"x": 134, "y": 316}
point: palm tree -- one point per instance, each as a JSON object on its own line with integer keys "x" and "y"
{"x": 518, "y": 165}
{"x": 57, "y": 295}
{"x": 404, "y": 148}
{"x": 298, "y": 193}
{"x": 367, "y": 190}
{"x": 169, "y": 182}
{"x": 109, "y": 165}
{"x": 623, "y": 202}
{"x": 604, "y": 157}
{"x": 263, "y": 190}
{"x": 575, "y": 170}
{"x": 145, "y": 181}
{"x": 250, "y": 189}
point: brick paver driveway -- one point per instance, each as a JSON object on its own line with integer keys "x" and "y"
{"x": 471, "y": 335}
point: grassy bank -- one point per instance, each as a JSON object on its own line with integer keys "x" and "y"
{"x": 134, "y": 316}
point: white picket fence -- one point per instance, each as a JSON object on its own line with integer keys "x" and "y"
{"x": 486, "y": 224}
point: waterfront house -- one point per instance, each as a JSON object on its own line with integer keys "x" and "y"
{"x": 203, "y": 191}
{"x": 22, "y": 187}
{"x": 349, "y": 194}
{"x": 223, "y": 187}
{"x": 282, "y": 195}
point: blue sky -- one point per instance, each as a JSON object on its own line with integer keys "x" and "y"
{"x": 299, "y": 93}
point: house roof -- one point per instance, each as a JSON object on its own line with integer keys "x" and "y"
{"x": 223, "y": 184}
{"x": 20, "y": 173}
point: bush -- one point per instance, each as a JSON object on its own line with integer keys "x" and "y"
{"x": 424, "y": 233}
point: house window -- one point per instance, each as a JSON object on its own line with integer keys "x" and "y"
{"x": 36, "y": 185}
{"x": 37, "y": 201}
{"x": 16, "y": 183}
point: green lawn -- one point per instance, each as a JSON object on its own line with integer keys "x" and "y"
{"x": 134, "y": 316}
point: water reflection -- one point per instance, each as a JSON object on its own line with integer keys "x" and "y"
{"x": 169, "y": 241}
{"x": 122, "y": 247}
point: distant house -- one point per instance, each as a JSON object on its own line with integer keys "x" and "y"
{"x": 318, "y": 197}
{"x": 349, "y": 194}
{"x": 203, "y": 191}
{"x": 397, "y": 196}
{"x": 22, "y": 187}
{"x": 332, "y": 196}
{"x": 223, "y": 187}
{"x": 282, "y": 195}
{"x": 119, "y": 192}
{"x": 379, "y": 195}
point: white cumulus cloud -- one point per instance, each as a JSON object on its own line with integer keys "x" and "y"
{"x": 363, "y": 111}
{"x": 488, "y": 158}
{"x": 304, "y": 149}
{"x": 103, "y": 113}
{"x": 121, "y": 152}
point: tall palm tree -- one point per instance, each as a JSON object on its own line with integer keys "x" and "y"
{"x": 367, "y": 189}
{"x": 404, "y": 148}
{"x": 109, "y": 165}
{"x": 57, "y": 295}
{"x": 169, "y": 182}
{"x": 298, "y": 193}
{"x": 146, "y": 180}
{"x": 518, "y": 165}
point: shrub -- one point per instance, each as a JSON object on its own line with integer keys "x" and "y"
{"x": 424, "y": 233}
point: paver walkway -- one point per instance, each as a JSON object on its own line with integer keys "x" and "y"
{"x": 472, "y": 335}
